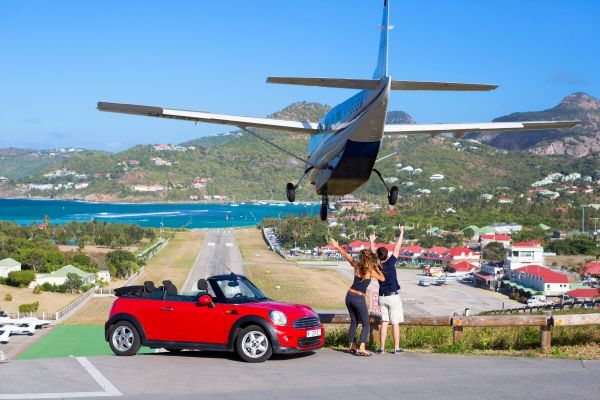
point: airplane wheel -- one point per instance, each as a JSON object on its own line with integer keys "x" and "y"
{"x": 290, "y": 190}
{"x": 323, "y": 212}
{"x": 393, "y": 195}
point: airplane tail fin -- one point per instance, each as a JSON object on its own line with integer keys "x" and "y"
{"x": 382, "y": 61}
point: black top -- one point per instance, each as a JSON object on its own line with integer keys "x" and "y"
{"x": 390, "y": 285}
{"x": 360, "y": 285}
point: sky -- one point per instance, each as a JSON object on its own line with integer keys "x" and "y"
{"x": 59, "y": 58}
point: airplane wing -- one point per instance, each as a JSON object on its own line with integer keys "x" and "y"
{"x": 460, "y": 129}
{"x": 201, "y": 116}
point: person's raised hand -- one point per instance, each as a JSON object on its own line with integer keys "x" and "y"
{"x": 372, "y": 237}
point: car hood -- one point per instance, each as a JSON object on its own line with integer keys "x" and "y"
{"x": 292, "y": 311}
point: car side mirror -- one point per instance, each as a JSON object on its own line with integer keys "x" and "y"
{"x": 205, "y": 300}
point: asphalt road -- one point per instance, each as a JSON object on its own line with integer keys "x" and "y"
{"x": 326, "y": 374}
{"x": 219, "y": 252}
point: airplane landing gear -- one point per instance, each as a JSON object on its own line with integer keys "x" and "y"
{"x": 290, "y": 191}
{"x": 392, "y": 191}
{"x": 290, "y": 188}
{"x": 324, "y": 207}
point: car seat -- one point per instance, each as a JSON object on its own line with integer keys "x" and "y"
{"x": 203, "y": 285}
{"x": 170, "y": 289}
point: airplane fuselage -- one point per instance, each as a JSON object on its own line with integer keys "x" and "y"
{"x": 343, "y": 155}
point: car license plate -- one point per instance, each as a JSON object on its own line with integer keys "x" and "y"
{"x": 313, "y": 333}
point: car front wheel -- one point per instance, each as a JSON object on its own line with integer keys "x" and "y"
{"x": 253, "y": 345}
{"x": 124, "y": 339}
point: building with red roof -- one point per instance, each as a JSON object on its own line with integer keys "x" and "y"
{"x": 583, "y": 293}
{"x": 592, "y": 268}
{"x": 540, "y": 279}
{"x": 459, "y": 254}
{"x": 464, "y": 267}
{"x": 485, "y": 239}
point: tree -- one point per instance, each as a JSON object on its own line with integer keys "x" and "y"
{"x": 121, "y": 263}
{"x": 494, "y": 252}
{"x": 73, "y": 282}
{"x": 20, "y": 278}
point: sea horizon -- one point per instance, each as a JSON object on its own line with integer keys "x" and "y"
{"x": 26, "y": 211}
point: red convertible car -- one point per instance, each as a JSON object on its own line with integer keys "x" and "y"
{"x": 228, "y": 313}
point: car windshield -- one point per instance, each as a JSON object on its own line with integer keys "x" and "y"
{"x": 236, "y": 289}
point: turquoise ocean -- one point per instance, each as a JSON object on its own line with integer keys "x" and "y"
{"x": 172, "y": 215}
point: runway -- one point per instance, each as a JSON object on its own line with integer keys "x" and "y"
{"x": 219, "y": 252}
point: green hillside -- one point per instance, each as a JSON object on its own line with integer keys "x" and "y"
{"x": 243, "y": 167}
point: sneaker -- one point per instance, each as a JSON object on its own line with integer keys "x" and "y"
{"x": 398, "y": 351}
{"x": 379, "y": 351}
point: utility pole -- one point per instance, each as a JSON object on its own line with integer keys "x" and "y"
{"x": 583, "y": 206}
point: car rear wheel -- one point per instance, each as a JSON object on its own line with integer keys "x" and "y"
{"x": 124, "y": 339}
{"x": 253, "y": 344}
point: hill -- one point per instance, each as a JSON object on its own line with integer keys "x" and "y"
{"x": 580, "y": 141}
{"x": 240, "y": 166}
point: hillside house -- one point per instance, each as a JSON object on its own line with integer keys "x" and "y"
{"x": 8, "y": 265}
{"x": 59, "y": 276}
{"x": 503, "y": 238}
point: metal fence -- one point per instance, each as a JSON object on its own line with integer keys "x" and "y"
{"x": 565, "y": 305}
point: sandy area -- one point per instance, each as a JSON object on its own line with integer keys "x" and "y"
{"x": 49, "y": 302}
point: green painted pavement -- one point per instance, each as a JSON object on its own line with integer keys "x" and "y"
{"x": 71, "y": 340}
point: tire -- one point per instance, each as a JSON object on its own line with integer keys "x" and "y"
{"x": 290, "y": 191}
{"x": 393, "y": 195}
{"x": 323, "y": 213}
{"x": 124, "y": 339}
{"x": 253, "y": 344}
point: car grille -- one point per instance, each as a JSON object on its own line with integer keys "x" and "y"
{"x": 305, "y": 323}
{"x": 307, "y": 342}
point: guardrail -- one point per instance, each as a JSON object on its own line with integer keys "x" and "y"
{"x": 545, "y": 322}
{"x": 73, "y": 306}
{"x": 565, "y": 305}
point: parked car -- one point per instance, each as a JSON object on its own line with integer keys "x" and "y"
{"x": 440, "y": 281}
{"x": 228, "y": 313}
{"x": 423, "y": 283}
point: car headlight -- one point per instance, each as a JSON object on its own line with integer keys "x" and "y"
{"x": 278, "y": 318}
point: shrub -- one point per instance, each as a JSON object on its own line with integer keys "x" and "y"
{"x": 2, "y": 280}
{"x": 20, "y": 278}
{"x": 37, "y": 289}
{"x": 29, "y": 308}
{"x": 48, "y": 287}
{"x": 8, "y": 297}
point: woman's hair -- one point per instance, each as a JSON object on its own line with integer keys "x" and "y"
{"x": 366, "y": 263}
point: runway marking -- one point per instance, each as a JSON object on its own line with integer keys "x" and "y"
{"x": 228, "y": 244}
{"x": 211, "y": 244}
{"x": 109, "y": 389}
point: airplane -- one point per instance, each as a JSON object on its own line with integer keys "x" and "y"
{"x": 4, "y": 335}
{"x": 25, "y": 321}
{"x": 344, "y": 146}
{"x": 25, "y": 329}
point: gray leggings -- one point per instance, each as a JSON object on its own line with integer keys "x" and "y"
{"x": 357, "y": 308}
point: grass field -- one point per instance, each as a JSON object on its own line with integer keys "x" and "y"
{"x": 285, "y": 281}
{"x": 69, "y": 340}
{"x": 173, "y": 262}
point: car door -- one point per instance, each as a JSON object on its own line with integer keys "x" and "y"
{"x": 198, "y": 323}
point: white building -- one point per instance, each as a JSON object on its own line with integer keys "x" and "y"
{"x": 81, "y": 185}
{"x": 436, "y": 177}
{"x": 59, "y": 276}
{"x": 9, "y": 265}
{"x": 148, "y": 188}
{"x": 103, "y": 274}
{"x": 505, "y": 228}
{"x": 521, "y": 254}
{"x": 541, "y": 279}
